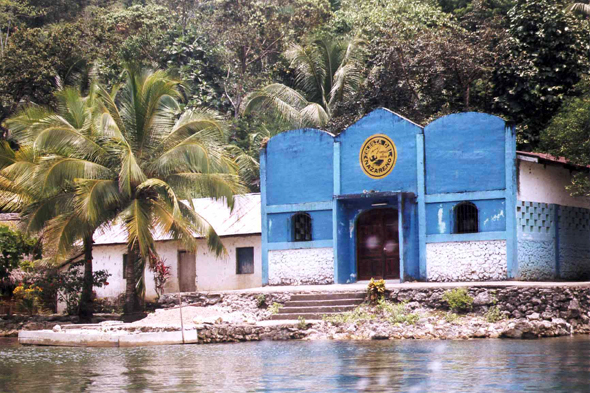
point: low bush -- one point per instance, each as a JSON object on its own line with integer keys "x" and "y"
{"x": 275, "y": 307}
{"x": 458, "y": 300}
{"x": 261, "y": 300}
{"x": 493, "y": 314}
{"x": 376, "y": 290}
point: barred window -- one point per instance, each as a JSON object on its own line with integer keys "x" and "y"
{"x": 466, "y": 218}
{"x": 301, "y": 227}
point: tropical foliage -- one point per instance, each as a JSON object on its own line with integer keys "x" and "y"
{"x": 326, "y": 71}
{"x": 126, "y": 155}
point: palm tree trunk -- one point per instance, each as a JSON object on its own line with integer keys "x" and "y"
{"x": 131, "y": 300}
{"x": 85, "y": 309}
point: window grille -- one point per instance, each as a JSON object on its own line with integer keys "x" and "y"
{"x": 466, "y": 218}
{"x": 301, "y": 227}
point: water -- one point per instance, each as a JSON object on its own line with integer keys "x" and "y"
{"x": 548, "y": 365}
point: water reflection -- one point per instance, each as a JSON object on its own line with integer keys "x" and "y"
{"x": 407, "y": 366}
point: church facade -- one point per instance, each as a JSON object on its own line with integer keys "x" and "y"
{"x": 387, "y": 198}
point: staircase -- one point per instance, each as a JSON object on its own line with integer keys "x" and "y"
{"x": 315, "y": 306}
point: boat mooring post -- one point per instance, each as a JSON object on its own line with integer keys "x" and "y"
{"x": 181, "y": 321}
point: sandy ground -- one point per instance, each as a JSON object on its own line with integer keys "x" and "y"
{"x": 190, "y": 314}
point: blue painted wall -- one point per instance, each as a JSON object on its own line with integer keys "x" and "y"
{"x": 299, "y": 167}
{"x": 403, "y": 134}
{"x": 280, "y": 226}
{"x": 465, "y": 152}
{"x": 491, "y": 213}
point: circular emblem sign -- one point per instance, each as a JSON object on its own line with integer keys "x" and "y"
{"x": 378, "y": 156}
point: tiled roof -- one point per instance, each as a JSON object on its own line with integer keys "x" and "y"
{"x": 243, "y": 220}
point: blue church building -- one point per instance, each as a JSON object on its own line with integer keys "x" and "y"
{"x": 388, "y": 198}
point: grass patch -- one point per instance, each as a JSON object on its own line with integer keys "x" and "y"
{"x": 396, "y": 313}
{"x": 393, "y": 313}
{"x": 361, "y": 313}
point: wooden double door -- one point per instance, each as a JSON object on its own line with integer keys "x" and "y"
{"x": 378, "y": 244}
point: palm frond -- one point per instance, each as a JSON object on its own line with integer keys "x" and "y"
{"x": 95, "y": 198}
{"x": 137, "y": 217}
{"x": 582, "y": 8}
{"x": 279, "y": 99}
{"x": 310, "y": 71}
{"x": 314, "y": 115}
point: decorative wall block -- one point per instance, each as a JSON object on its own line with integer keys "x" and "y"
{"x": 534, "y": 217}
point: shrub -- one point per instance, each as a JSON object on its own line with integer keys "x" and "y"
{"x": 302, "y": 324}
{"x": 376, "y": 290}
{"x": 493, "y": 314}
{"x": 275, "y": 307}
{"x": 27, "y": 298}
{"x": 261, "y": 300}
{"x": 458, "y": 300}
{"x": 161, "y": 273}
{"x": 71, "y": 283}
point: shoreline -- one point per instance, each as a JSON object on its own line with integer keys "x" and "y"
{"x": 410, "y": 312}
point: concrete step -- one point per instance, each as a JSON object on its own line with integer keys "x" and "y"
{"x": 319, "y": 303}
{"x": 329, "y": 296}
{"x": 315, "y": 310}
{"x": 307, "y": 316}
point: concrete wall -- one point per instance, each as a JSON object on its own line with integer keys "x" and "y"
{"x": 465, "y": 152}
{"x": 546, "y": 183}
{"x": 212, "y": 273}
{"x": 467, "y": 261}
{"x": 301, "y": 267}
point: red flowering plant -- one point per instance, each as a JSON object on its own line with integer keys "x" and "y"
{"x": 161, "y": 273}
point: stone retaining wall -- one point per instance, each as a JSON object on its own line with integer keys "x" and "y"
{"x": 571, "y": 303}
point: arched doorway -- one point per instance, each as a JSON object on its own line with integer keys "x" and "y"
{"x": 377, "y": 244}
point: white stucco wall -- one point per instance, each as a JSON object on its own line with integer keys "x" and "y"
{"x": 301, "y": 267}
{"x": 212, "y": 273}
{"x": 546, "y": 183}
{"x": 466, "y": 261}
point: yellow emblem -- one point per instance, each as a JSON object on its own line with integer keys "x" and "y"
{"x": 378, "y": 156}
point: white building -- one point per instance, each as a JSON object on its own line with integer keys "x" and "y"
{"x": 240, "y": 268}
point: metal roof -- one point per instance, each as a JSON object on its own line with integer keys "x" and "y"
{"x": 545, "y": 158}
{"x": 245, "y": 219}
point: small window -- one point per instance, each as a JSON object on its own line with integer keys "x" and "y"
{"x": 466, "y": 218}
{"x": 124, "y": 266}
{"x": 245, "y": 260}
{"x": 301, "y": 227}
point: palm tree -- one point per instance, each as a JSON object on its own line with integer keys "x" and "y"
{"x": 136, "y": 161}
{"x": 326, "y": 73}
{"x": 47, "y": 202}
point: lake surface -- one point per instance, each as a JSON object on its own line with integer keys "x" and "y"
{"x": 548, "y": 365}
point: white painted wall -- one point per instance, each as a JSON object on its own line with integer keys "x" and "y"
{"x": 301, "y": 267}
{"x": 212, "y": 273}
{"x": 546, "y": 183}
{"x": 466, "y": 261}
